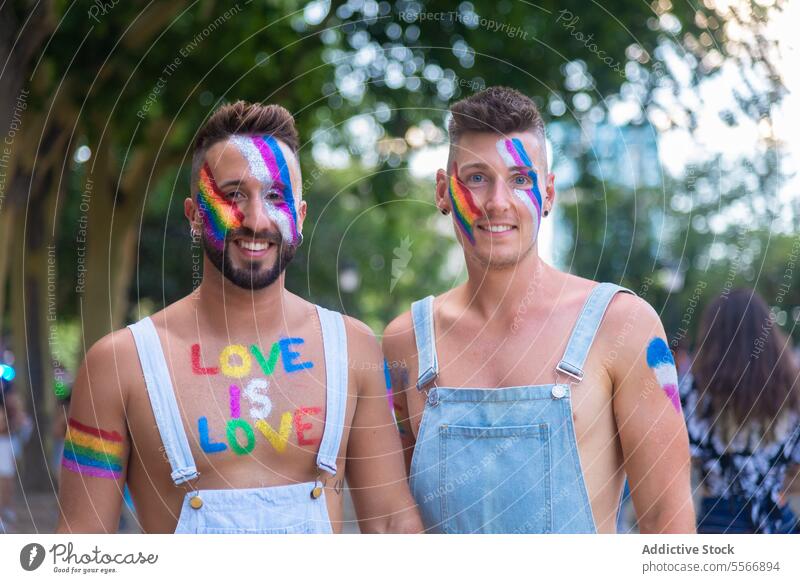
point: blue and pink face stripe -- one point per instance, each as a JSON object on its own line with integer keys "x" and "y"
{"x": 514, "y": 155}
{"x": 268, "y": 165}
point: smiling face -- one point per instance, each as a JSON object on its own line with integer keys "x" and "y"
{"x": 494, "y": 187}
{"x": 250, "y": 207}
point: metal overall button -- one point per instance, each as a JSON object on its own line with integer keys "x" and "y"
{"x": 196, "y": 502}
{"x": 559, "y": 391}
{"x": 433, "y": 397}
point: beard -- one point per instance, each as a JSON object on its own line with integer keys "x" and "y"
{"x": 252, "y": 277}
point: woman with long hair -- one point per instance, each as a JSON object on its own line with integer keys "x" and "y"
{"x": 743, "y": 414}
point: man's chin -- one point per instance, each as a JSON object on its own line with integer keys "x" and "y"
{"x": 250, "y": 275}
{"x": 503, "y": 259}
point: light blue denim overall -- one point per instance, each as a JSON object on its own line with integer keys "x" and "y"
{"x": 294, "y": 508}
{"x": 503, "y": 460}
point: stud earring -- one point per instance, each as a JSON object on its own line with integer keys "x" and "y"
{"x": 444, "y": 211}
{"x": 546, "y": 213}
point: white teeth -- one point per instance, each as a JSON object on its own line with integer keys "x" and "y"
{"x": 499, "y": 228}
{"x": 252, "y": 246}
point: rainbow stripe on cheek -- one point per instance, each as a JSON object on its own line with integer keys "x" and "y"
{"x": 659, "y": 358}
{"x": 513, "y": 154}
{"x": 465, "y": 211}
{"x": 92, "y": 452}
{"x": 219, "y": 215}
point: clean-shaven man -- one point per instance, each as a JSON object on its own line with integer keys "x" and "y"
{"x": 530, "y": 394}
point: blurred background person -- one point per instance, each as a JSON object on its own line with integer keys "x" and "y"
{"x": 743, "y": 415}
{"x": 15, "y": 429}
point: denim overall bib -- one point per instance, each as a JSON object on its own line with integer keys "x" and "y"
{"x": 294, "y": 508}
{"x": 503, "y": 460}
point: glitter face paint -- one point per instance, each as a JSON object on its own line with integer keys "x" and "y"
{"x": 465, "y": 211}
{"x": 268, "y": 165}
{"x": 92, "y": 452}
{"x": 513, "y": 154}
{"x": 659, "y": 358}
{"x": 219, "y": 214}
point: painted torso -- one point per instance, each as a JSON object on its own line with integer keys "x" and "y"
{"x": 252, "y": 404}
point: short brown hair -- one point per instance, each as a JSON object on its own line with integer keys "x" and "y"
{"x": 245, "y": 118}
{"x": 499, "y": 110}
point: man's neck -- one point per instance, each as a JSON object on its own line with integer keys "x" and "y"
{"x": 222, "y": 305}
{"x": 500, "y": 292}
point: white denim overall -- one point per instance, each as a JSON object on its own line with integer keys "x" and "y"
{"x": 295, "y": 508}
{"x": 503, "y": 460}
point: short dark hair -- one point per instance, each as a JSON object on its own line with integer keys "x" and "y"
{"x": 243, "y": 118}
{"x": 499, "y": 110}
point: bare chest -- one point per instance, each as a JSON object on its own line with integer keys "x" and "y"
{"x": 253, "y": 408}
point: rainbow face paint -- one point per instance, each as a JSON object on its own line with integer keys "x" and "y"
{"x": 219, "y": 214}
{"x": 659, "y": 358}
{"x": 465, "y": 211}
{"x": 268, "y": 165}
{"x": 92, "y": 452}
{"x": 513, "y": 154}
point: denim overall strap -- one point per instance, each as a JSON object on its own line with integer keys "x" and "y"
{"x": 334, "y": 341}
{"x": 585, "y": 330}
{"x": 163, "y": 402}
{"x": 422, "y": 318}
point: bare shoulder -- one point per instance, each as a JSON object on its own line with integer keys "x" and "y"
{"x": 109, "y": 367}
{"x": 399, "y": 333}
{"x": 628, "y": 328}
{"x": 360, "y": 337}
{"x": 632, "y": 313}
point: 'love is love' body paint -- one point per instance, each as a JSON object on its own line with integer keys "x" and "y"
{"x": 268, "y": 165}
{"x": 659, "y": 358}
{"x": 513, "y": 154}
{"x": 465, "y": 211}
{"x": 219, "y": 214}
{"x": 92, "y": 452}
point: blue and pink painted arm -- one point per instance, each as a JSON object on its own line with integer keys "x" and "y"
{"x": 661, "y": 362}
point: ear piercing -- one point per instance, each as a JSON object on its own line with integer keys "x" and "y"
{"x": 444, "y": 211}
{"x": 546, "y": 213}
